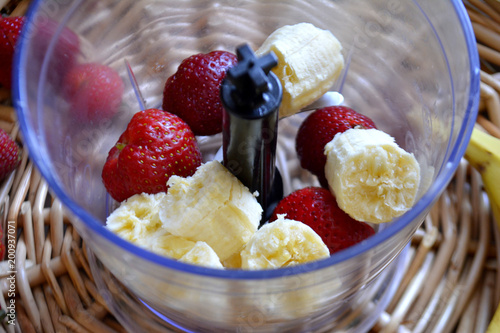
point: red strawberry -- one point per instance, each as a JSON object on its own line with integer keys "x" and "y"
{"x": 94, "y": 91}
{"x": 155, "y": 146}
{"x": 193, "y": 94}
{"x": 317, "y": 207}
{"x": 318, "y": 129}
{"x": 9, "y": 154}
{"x": 10, "y": 28}
{"x": 63, "y": 54}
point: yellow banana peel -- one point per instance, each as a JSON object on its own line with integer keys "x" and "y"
{"x": 494, "y": 326}
{"x": 483, "y": 153}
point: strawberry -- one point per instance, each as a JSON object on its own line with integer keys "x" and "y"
{"x": 63, "y": 55}
{"x": 317, "y": 207}
{"x": 64, "y": 52}
{"x": 94, "y": 91}
{"x": 193, "y": 94}
{"x": 154, "y": 146}
{"x": 318, "y": 129}
{"x": 10, "y": 28}
{"x": 9, "y": 154}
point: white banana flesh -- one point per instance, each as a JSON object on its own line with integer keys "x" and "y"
{"x": 309, "y": 61}
{"x": 211, "y": 206}
{"x": 283, "y": 243}
{"x": 372, "y": 178}
{"x": 168, "y": 245}
{"x": 203, "y": 255}
{"x": 137, "y": 220}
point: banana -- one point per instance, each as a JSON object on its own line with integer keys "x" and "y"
{"x": 483, "y": 154}
{"x": 282, "y": 243}
{"x": 166, "y": 244}
{"x": 309, "y": 62}
{"x": 137, "y": 221}
{"x": 372, "y": 178}
{"x": 212, "y": 206}
{"x": 494, "y": 325}
{"x": 203, "y": 255}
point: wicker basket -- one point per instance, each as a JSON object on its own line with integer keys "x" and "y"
{"x": 450, "y": 283}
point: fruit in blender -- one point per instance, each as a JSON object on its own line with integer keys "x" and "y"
{"x": 10, "y": 28}
{"x": 318, "y": 129}
{"x": 372, "y": 178}
{"x": 283, "y": 243}
{"x": 208, "y": 217}
{"x": 309, "y": 61}
{"x": 155, "y": 146}
{"x": 317, "y": 208}
{"x": 9, "y": 154}
{"x": 94, "y": 91}
{"x": 212, "y": 206}
{"x": 193, "y": 92}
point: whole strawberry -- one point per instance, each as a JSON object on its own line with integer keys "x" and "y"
{"x": 94, "y": 91}
{"x": 318, "y": 129}
{"x": 64, "y": 52}
{"x": 154, "y": 146}
{"x": 193, "y": 92}
{"x": 9, "y": 154}
{"x": 317, "y": 207}
{"x": 10, "y": 28}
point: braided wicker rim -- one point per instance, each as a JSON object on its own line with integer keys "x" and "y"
{"x": 450, "y": 284}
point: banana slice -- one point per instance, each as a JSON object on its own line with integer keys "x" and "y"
{"x": 372, "y": 178}
{"x": 309, "y": 62}
{"x": 212, "y": 206}
{"x": 283, "y": 243}
{"x": 203, "y": 255}
{"x": 136, "y": 219}
{"x": 166, "y": 244}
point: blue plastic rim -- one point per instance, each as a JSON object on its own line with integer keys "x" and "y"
{"x": 44, "y": 165}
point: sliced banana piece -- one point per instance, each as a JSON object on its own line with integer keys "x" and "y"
{"x": 283, "y": 243}
{"x": 202, "y": 255}
{"x": 166, "y": 244}
{"x": 372, "y": 178}
{"x": 212, "y": 206}
{"x": 136, "y": 219}
{"x": 309, "y": 62}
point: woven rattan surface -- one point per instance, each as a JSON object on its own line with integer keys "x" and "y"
{"x": 450, "y": 284}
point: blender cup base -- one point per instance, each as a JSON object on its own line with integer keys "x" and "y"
{"x": 137, "y": 316}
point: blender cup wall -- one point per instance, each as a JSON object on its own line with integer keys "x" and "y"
{"x": 410, "y": 65}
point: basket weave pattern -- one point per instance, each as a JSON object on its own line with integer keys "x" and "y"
{"x": 450, "y": 284}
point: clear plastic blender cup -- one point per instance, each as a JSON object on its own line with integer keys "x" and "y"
{"x": 412, "y": 67}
